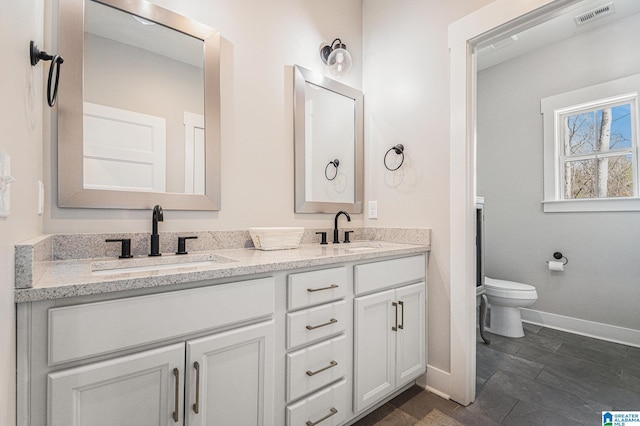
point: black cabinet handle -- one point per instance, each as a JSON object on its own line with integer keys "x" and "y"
{"x": 395, "y": 305}
{"x": 196, "y": 405}
{"x": 176, "y": 403}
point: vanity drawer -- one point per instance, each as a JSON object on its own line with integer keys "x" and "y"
{"x": 316, "y": 287}
{"x": 82, "y": 331}
{"x": 316, "y": 323}
{"x": 377, "y": 276}
{"x": 316, "y": 366}
{"x": 327, "y": 407}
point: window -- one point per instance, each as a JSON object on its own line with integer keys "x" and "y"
{"x": 597, "y": 158}
{"x": 591, "y": 153}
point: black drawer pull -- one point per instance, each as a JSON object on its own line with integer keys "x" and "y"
{"x": 332, "y": 412}
{"x": 331, "y": 287}
{"x": 313, "y": 373}
{"x": 331, "y": 321}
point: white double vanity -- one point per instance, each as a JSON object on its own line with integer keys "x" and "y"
{"x": 318, "y": 335}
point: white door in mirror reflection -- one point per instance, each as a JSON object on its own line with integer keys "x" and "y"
{"x": 123, "y": 150}
{"x": 194, "y": 153}
{"x": 330, "y": 135}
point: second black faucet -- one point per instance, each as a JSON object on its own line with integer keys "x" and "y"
{"x": 158, "y": 216}
{"x": 336, "y": 239}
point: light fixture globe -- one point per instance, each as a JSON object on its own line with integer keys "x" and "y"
{"x": 337, "y": 58}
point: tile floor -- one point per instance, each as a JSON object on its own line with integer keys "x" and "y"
{"x": 548, "y": 377}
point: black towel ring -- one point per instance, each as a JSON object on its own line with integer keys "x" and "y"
{"x": 335, "y": 163}
{"x": 36, "y": 56}
{"x": 399, "y": 150}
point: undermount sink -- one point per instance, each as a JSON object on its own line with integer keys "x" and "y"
{"x": 123, "y": 266}
{"x": 356, "y": 248}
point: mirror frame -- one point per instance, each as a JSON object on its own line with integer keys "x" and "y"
{"x": 302, "y": 76}
{"x": 71, "y": 191}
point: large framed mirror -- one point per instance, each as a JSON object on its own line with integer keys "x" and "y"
{"x": 328, "y": 140}
{"x": 138, "y": 108}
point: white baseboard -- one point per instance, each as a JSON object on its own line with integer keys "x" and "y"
{"x": 438, "y": 381}
{"x": 612, "y": 333}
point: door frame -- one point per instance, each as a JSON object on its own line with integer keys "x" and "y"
{"x": 495, "y": 20}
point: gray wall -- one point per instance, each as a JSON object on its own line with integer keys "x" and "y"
{"x": 601, "y": 283}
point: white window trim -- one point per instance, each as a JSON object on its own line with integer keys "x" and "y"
{"x": 552, "y": 108}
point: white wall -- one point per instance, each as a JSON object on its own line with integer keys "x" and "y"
{"x": 260, "y": 42}
{"x": 407, "y": 95}
{"x": 600, "y": 283}
{"x": 21, "y": 138}
{"x": 406, "y": 86}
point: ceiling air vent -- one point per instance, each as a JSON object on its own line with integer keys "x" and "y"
{"x": 596, "y": 13}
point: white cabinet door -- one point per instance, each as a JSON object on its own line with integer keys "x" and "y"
{"x": 232, "y": 383}
{"x": 374, "y": 348}
{"x": 411, "y": 359}
{"x": 389, "y": 342}
{"x": 144, "y": 389}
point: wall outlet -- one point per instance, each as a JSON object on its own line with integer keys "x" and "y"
{"x": 373, "y": 210}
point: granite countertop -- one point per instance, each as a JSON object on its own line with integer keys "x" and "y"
{"x": 79, "y": 277}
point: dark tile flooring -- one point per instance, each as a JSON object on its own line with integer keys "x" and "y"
{"x": 548, "y": 377}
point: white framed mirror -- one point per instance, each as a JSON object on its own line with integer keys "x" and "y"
{"x": 328, "y": 132}
{"x": 138, "y": 109}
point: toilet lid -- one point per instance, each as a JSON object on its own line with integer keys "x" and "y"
{"x": 506, "y": 285}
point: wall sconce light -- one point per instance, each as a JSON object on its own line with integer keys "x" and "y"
{"x": 336, "y": 57}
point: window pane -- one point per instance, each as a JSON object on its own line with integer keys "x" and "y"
{"x": 615, "y": 176}
{"x": 620, "y": 127}
{"x": 579, "y": 178}
{"x": 579, "y": 131}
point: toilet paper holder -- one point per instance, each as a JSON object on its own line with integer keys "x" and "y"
{"x": 559, "y": 256}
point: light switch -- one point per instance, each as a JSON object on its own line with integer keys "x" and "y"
{"x": 373, "y": 210}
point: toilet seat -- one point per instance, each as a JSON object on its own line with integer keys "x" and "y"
{"x": 509, "y": 289}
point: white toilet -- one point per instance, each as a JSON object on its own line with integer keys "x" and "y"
{"x": 505, "y": 300}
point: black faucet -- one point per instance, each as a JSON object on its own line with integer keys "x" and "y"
{"x": 155, "y": 238}
{"x": 336, "y": 240}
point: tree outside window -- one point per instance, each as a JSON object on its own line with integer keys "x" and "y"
{"x": 598, "y": 147}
